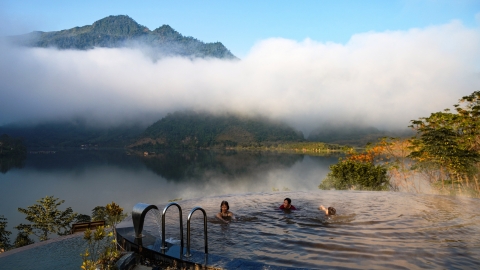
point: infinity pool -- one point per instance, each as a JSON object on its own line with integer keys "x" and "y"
{"x": 60, "y": 253}
{"x": 374, "y": 230}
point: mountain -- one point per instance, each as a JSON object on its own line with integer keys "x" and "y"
{"x": 123, "y": 31}
{"x": 12, "y": 153}
{"x": 178, "y": 130}
{"x": 73, "y": 133}
{"x": 203, "y": 130}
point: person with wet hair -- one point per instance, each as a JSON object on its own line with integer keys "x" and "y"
{"x": 287, "y": 205}
{"x": 225, "y": 215}
{"x": 330, "y": 211}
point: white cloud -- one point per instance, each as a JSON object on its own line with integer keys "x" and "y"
{"x": 381, "y": 79}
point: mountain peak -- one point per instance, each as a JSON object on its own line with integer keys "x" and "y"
{"x": 118, "y": 25}
{"x": 122, "y": 31}
{"x": 167, "y": 29}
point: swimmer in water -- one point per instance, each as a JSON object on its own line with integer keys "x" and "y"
{"x": 287, "y": 204}
{"x": 330, "y": 211}
{"x": 225, "y": 215}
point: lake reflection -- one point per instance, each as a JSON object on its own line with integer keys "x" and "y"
{"x": 204, "y": 165}
{"x": 87, "y": 178}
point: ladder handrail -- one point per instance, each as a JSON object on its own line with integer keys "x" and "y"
{"x": 138, "y": 217}
{"x": 204, "y": 229}
{"x": 164, "y": 246}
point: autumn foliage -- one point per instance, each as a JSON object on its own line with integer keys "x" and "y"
{"x": 444, "y": 154}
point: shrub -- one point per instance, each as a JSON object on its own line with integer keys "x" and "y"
{"x": 349, "y": 174}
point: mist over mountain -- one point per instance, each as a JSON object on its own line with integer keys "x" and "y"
{"x": 122, "y": 31}
{"x": 189, "y": 129}
{"x": 77, "y": 82}
{"x": 182, "y": 129}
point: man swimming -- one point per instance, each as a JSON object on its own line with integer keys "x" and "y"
{"x": 287, "y": 204}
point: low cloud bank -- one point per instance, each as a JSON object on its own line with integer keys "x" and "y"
{"x": 377, "y": 79}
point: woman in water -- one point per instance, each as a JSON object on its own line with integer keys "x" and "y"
{"x": 330, "y": 211}
{"x": 224, "y": 214}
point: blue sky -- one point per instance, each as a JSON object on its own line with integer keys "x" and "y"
{"x": 308, "y": 63}
{"x": 241, "y": 24}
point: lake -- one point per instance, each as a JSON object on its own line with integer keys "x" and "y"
{"x": 88, "y": 178}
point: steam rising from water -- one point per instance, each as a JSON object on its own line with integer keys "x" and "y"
{"x": 375, "y": 230}
{"x": 378, "y": 79}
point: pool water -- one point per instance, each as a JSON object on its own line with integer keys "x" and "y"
{"x": 374, "y": 230}
{"x": 60, "y": 253}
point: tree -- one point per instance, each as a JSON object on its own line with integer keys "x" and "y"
{"x": 101, "y": 252}
{"x": 82, "y": 218}
{"x": 4, "y": 240}
{"x": 47, "y": 219}
{"x": 447, "y": 145}
{"x": 358, "y": 171}
{"x": 114, "y": 216}
{"x": 23, "y": 236}
{"x": 99, "y": 213}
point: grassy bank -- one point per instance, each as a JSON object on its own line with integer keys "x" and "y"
{"x": 310, "y": 148}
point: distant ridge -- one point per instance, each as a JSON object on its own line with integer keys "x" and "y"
{"x": 191, "y": 129}
{"x": 123, "y": 31}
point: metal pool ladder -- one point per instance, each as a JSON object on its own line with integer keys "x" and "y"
{"x": 138, "y": 218}
{"x": 204, "y": 230}
{"x": 164, "y": 245}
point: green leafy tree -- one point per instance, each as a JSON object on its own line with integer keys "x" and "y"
{"x": 447, "y": 145}
{"x": 99, "y": 213}
{"x": 46, "y": 218}
{"x": 4, "y": 239}
{"x": 23, "y": 236}
{"x": 82, "y": 218}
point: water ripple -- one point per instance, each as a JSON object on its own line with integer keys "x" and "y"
{"x": 375, "y": 230}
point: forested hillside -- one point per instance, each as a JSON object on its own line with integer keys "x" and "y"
{"x": 73, "y": 133}
{"x": 11, "y": 146}
{"x": 203, "y": 130}
{"x": 12, "y": 153}
{"x": 123, "y": 31}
